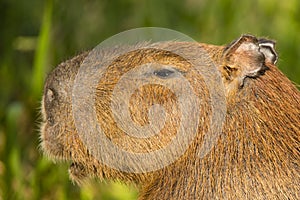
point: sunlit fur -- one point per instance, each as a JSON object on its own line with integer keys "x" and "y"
{"x": 256, "y": 156}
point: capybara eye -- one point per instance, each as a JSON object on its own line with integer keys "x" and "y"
{"x": 163, "y": 73}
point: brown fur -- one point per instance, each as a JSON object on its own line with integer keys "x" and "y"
{"x": 257, "y": 156}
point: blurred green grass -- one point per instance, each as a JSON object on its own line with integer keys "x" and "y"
{"x": 37, "y": 35}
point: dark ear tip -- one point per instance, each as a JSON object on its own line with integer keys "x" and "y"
{"x": 264, "y": 40}
{"x": 249, "y": 37}
{"x": 246, "y": 38}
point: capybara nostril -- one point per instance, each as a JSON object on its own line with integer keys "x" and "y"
{"x": 50, "y": 95}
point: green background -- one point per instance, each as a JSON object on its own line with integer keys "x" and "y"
{"x": 37, "y": 35}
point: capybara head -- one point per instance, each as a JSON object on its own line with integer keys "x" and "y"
{"x": 183, "y": 120}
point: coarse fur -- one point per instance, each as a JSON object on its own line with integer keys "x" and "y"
{"x": 257, "y": 155}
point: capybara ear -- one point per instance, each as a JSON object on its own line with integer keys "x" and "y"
{"x": 267, "y": 47}
{"x": 246, "y": 57}
{"x": 242, "y": 43}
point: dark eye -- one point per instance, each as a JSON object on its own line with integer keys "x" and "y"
{"x": 163, "y": 73}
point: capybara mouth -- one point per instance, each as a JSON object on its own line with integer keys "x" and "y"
{"x": 52, "y": 146}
